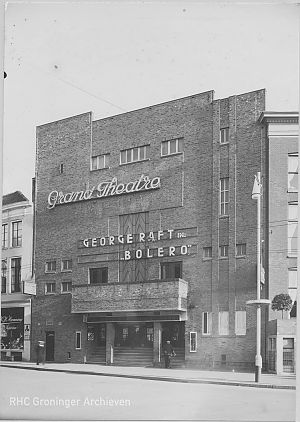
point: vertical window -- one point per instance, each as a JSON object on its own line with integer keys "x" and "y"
{"x": 224, "y": 135}
{"x": 241, "y": 249}
{"x": 223, "y": 251}
{"x": 240, "y": 323}
{"x": 50, "y": 267}
{"x": 16, "y": 234}
{"x": 98, "y": 275}
{"x": 172, "y": 146}
{"x": 66, "y": 286}
{"x": 206, "y": 322}
{"x": 78, "y": 340}
{"x": 66, "y": 265}
{"x": 16, "y": 275}
{"x": 99, "y": 162}
{"x": 133, "y": 155}
{"x": 207, "y": 252}
{"x": 193, "y": 341}
{"x": 3, "y": 275}
{"x": 50, "y": 288}
{"x": 171, "y": 270}
{"x": 292, "y": 238}
{"x": 61, "y": 168}
{"x": 224, "y": 196}
{"x": 292, "y": 289}
{"x": 4, "y": 236}
{"x": 293, "y": 165}
{"x": 224, "y": 323}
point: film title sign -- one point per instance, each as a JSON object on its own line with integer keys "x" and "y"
{"x": 142, "y": 241}
{"x": 103, "y": 190}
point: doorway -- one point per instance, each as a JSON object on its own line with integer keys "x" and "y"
{"x": 50, "y": 340}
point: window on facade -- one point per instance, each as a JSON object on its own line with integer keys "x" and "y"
{"x": 172, "y": 146}
{"x": 98, "y": 275}
{"x": 133, "y": 155}
{"x": 223, "y": 251}
{"x": 293, "y": 165}
{"x": 4, "y": 236}
{"x": 241, "y": 249}
{"x": 50, "y": 288}
{"x": 16, "y": 275}
{"x": 99, "y": 162}
{"x": 78, "y": 340}
{"x": 66, "y": 286}
{"x": 171, "y": 270}
{"x": 292, "y": 238}
{"x": 207, "y": 252}
{"x": 224, "y": 323}
{"x": 206, "y": 322}
{"x": 240, "y": 323}
{"x": 66, "y": 265}
{"x": 16, "y": 234}
{"x": 50, "y": 266}
{"x": 224, "y": 135}
{"x": 224, "y": 196}
{"x": 3, "y": 275}
{"x": 292, "y": 289}
{"x": 193, "y": 341}
{"x": 61, "y": 168}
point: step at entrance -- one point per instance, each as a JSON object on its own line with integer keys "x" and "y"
{"x": 138, "y": 356}
{"x": 97, "y": 355}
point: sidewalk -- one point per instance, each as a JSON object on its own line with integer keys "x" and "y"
{"x": 171, "y": 375}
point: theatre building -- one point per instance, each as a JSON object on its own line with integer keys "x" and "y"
{"x": 146, "y": 231}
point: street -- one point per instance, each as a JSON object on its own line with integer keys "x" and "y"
{"x": 27, "y": 394}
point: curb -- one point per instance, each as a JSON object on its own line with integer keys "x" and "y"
{"x": 157, "y": 378}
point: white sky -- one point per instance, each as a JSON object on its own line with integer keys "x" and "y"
{"x": 66, "y": 58}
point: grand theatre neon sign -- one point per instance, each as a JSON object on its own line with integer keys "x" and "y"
{"x": 103, "y": 190}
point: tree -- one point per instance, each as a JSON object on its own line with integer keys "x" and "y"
{"x": 282, "y": 302}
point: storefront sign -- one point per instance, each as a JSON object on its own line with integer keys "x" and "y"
{"x": 103, "y": 190}
{"x": 27, "y": 332}
{"x": 154, "y": 253}
{"x": 12, "y": 326}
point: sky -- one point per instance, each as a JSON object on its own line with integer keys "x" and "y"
{"x": 65, "y": 58}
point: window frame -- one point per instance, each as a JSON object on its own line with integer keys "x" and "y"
{"x": 290, "y": 173}
{"x": 5, "y": 236}
{"x": 224, "y": 196}
{"x": 193, "y": 334}
{"x": 100, "y": 269}
{"x": 78, "y": 336}
{"x": 130, "y": 152}
{"x": 226, "y": 248}
{"x": 170, "y": 263}
{"x": 225, "y": 131}
{"x": 50, "y": 283}
{"x": 66, "y": 270}
{"x": 4, "y": 276}
{"x": 208, "y": 323}
{"x": 106, "y": 161}
{"x": 51, "y": 271}
{"x": 240, "y": 255}
{"x": 209, "y": 256}
{"x": 13, "y": 283}
{"x": 178, "y": 148}
{"x": 16, "y": 242}
{"x": 226, "y": 331}
{"x": 66, "y": 283}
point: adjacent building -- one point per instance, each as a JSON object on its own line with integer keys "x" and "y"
{"x": 17, "y": 281}
{"x": 145, "y": 231}
{"x": 281, "y": 131}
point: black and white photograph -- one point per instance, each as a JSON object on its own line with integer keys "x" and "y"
{"x": 149, "y": 212}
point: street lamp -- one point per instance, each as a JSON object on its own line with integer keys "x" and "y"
{"x": 258, "y": 302}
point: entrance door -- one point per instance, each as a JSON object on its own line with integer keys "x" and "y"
{"x": 134, "y": 335}
{"x": 50, "y": 346}
{"x": 288, "y": 355}
{"x": 173, "y": 331}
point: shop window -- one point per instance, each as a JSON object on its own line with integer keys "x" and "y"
{"x": 3, "y": 275}
{"x": 98, "y": 275}
{"x": 133, "y": 155}
{"x": 241, "y": 249}
{"x": 16, "y": 275}
{"x": 206, "y": 323}
{"x": 16, "y": 240}
{"x": 224, "y": 196}
{"x": 66, "y": 286}
{"x": 240, "y": 323}
{"x": 193, "y": 341}
{"x": 171, "y": 270}
{"x": 293, "y": 165}
{"x": 4, "y": 236}
{"x": 99, "y": 162}
{"x": 223, "y": 251}
{"x": 50, "y": 288}
{"x": 78, "y": 340}
{"x": 207, "y": 252}
{"x": 66, "y": 265}
{"x": 12, "y": 328}
{"x": 224, "y": 323}
{"x": 50, "y": 267}
{"x": 172, "y": 146}
{"x": 224, "y": 135}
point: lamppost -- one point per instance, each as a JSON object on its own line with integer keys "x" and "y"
{"x": 258, "y": 302}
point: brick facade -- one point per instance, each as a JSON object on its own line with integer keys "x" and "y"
{"x": 187, "y": 201}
